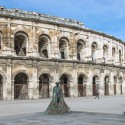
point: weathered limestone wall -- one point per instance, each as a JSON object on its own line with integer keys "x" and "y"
{"x": 93, "y": 62}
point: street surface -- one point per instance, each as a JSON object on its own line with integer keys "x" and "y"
{"x": 84, "y": 111}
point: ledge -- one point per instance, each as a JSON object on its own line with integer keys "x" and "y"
{"x": 60, "y": 61}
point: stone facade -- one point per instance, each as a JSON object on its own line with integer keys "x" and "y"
{"x": 37, "y": 50}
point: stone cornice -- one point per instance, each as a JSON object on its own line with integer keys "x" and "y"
{"x": 61, "y": 61}
{"x": 33, "y": 16}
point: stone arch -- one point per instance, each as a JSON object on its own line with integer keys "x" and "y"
{"x": 65, "y": 80}
{"x": 21, "y": 43}
{"x": 94, "y": 47}
{"x": 82, "y": 79}
{"x": 23, "y": 30}
{"x": 3, "y": 75}
{"x": 21, "y": 80}
{"x": 63, "y": 47}
{"x": 106, "y": 84}
{"x": 80, "y": 49}
{"x": 51, "y": 77}
{"x": 20, "y": 71}
{"x": 44, "y": 45}
{"x": 81, "y": 38}
{"x": 45, "y": 33}
{"x": 64, "y": 36}
{"x": 95, "y": 84}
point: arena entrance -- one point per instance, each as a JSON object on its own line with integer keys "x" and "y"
{"x": 81, "y": 85}
{"x": 115, "y": 82}
{"x": 44, "y": 86}
{"x": 64, "y": 83}
{"x": 20, "y": 86}
{"x": 1, "y": 87}
{"x": 95, "y": 85}
{"x": 106, "y": 85}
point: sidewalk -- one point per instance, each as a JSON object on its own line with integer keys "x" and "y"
{"x": 84, "y": 111}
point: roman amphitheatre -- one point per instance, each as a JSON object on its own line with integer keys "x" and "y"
{"x": 37, "y": 50}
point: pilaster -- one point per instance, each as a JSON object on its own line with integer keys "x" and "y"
{"x": 9, "y": 86}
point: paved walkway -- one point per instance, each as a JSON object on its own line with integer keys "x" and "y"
{"x": 84, "y": 111}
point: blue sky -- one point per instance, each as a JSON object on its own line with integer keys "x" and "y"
{"x": 107, "y": 16}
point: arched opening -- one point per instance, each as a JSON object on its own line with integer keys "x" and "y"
{"x": 105, "y": 52}
{"x": 82, "y": 85}
{"x": 1, "y": 87}
{"x": 64, "y": 79}
{"x": 44, "y": 86}
{"x": 63, "y": 48}
{"x": 21, "y": 86}
{"x": 80, "y": 49}
{"x": 43, "y": 46}
{"x": 20, "y": 41}
{"x": 106, "y": 85}
{"x": 94, "y": 48}
{"x": 95, "y": 84}
{"x": 115, "y": 83}
{"x": 113, "y": 53}
{"x": 120, "y": 82}
{"x": 120, "y": 59}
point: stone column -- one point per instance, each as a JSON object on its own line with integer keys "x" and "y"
{"x": 72, "y": 47}
{"x": 123, "y": 87}
{"x": 8, "y": 45}
{"x": 102, "y": 83}
{"x": 12, "y": 89}
{"x": 89, "y": 91}
{"x": 30, "y": 89}
{"x": 51, "y": 48}
{"x": 110, "y": 58}
{"x": 111, "y": 88}
{"x": 56, "y": 44}
{"x": 9, "y": 89}
{"x": 51, "y": 85}
{"x": 88, "y": 51}
{"x": 35, "y": 94}
{"x": 54, "y": 79}
{"x": 34, "y": 42}
{"x": 74, "y": 83}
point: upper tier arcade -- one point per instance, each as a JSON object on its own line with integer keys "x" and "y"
{"x": 30, "y": 35}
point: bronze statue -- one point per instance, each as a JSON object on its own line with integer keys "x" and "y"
{"x": 57, "y": 104}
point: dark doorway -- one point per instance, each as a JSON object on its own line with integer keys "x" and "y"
{"x": 106, "y": 85}
{"x": 81, "y": 85}
{"x": 44, "y": 86}
{"x": 20, "y": 86}
{"x": 121, "y": 88}
{"x": 94, "y": 86}
{"x": 65, "y": 85}
{"x": 115, "y": 83}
